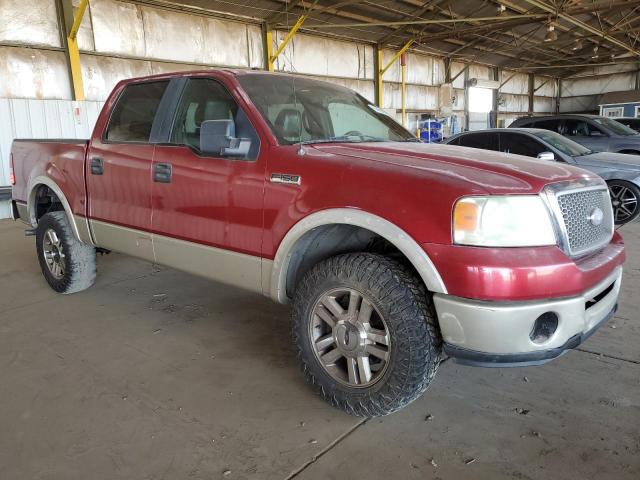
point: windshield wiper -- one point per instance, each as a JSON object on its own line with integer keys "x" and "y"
{"x": 345, "y": 139}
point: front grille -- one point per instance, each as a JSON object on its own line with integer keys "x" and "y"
{"x": 587, "y": 218}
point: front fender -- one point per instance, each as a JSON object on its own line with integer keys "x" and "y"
{"x": 275, "y": 283}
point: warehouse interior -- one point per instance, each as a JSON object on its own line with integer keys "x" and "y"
{"x": 154, "y": 373}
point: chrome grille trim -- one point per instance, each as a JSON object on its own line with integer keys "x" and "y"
{"x": 576, "y": 237}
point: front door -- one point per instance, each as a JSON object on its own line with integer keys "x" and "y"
{"x": 207, "y": 209}
{"x": 118, "y": 171}
{"x": 587, "y": 134}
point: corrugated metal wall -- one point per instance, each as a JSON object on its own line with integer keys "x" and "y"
{"x": 582, "y": 92}
{"x": 32, "y": 118}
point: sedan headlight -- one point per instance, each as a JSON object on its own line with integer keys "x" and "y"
{"x": 503, "y": 221}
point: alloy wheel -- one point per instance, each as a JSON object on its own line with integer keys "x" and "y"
{"x": 54, "y": 253}
{"x": 624, "y": 202}
{"x": 350, "y": 337}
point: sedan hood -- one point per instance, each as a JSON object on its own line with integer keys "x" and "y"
{"x": 618, "y": 161}
{"x": 489, "y": 171}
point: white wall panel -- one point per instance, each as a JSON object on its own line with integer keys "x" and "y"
{"x": 513, "y": 103}
{"x": 517, "y": 84}
{"x": 32, "y": 73}
{"x": 325, "y": 57}
{"x": 174, "y": 36}
{"x": 456, "y": 68}
{"x": 100, "y": 74}
{"x": 33, "y": 22}
{"x": 479, "y": 71}
{"x": 597, "y": 85}
{"x": 579, "y": 104}
{"x": 118, "y": 28}
{"x": 544, "y": 105}
{"x": 546, "y": 90}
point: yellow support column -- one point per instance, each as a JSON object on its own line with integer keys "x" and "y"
{"x": 74, "y": 53}
{"x": 403, "y": 65}
{"x": 379, "y": 79}
{"x": 269, "y": 46}
{"x": 285, "y": 41}
{"x": 382, "y": 70}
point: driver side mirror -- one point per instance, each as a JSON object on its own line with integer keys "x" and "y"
{"x": 596, "y": 133}
{"x": 218, "y": 137}
{"x": 549, "y": 156}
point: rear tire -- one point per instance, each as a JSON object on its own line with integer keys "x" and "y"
{"x": 625, "y": 200}
{"x": 366, "y": 333}
{"x": 68, "y": 265}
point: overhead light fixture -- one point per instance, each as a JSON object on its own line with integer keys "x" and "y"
{"x": 501, "y": 9}
{"x": 551, "y": 35}
{"x": 577, "y": 45}
{"x": 595, "y": 51}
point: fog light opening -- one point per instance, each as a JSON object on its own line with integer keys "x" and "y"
{"x": 544, "y": 326}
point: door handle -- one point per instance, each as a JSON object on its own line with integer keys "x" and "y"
{"x": 97, "y": 166}
{"x": 162, "y": 172}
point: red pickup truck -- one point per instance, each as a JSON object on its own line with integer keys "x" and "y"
{"x": 390, "y": 251}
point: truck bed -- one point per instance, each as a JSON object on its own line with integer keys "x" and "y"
{"x": 60, "y": 160}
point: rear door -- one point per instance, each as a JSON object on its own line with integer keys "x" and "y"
{"x": 586, "y": 133}
{"x": 520, "y": 144}
{"x": 118, "y": 170}
{"x": 208, "y": 209}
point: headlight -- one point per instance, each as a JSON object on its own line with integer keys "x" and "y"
{"x": 503, "y": 221}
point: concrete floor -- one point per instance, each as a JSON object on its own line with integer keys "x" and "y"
{"x": 155, "y": 374}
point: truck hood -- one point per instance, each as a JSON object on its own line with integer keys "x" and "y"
{"x": 492, "y": 172}
{"x": 618, "y": 161}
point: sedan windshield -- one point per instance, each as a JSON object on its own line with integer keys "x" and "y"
{"x": 301, "y": 110}
{"x": 566, "y": 146}
{"x": 615, "y": 127}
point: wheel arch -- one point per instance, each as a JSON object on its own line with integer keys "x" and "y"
{"x": 34, "y": 186}
{"x": 330, "y": 227}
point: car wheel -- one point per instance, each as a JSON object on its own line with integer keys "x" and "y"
{"x": 67, "y": 264}
{"x": 625, "y": 200}
{"x": 366, "y": 333}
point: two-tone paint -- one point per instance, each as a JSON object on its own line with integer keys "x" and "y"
{"x": 228, "y": 219}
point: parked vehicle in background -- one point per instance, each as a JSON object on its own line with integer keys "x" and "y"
{"x": 600, "y": 134}
{"x": 391, "y": 251}
{"x": 631, "y": 122}
{"x": 622, "y": 172}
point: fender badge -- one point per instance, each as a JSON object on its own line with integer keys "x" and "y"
{"x": 286, "y": 178}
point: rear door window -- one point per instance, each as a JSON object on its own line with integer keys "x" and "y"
{"x": 520, "y": 145}
{"x": 132, "y": 117}
{"x": 552, "y": 125}
{"x": 485, "y": 141}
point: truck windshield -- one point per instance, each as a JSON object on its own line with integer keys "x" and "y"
{"x": 615, "y": 127}
{"x": 566, "y": 146}
{"x": 301, "y": 110}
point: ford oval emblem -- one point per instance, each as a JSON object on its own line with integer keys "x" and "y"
{"x": 596, "y": 216}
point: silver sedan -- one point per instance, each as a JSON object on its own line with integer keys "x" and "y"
{"x": 621, "y": 171}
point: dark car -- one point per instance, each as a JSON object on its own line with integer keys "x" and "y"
{"x": 631, "y": 122}
{"x": 622, "y": 172}
{"x": 600, "y": 134}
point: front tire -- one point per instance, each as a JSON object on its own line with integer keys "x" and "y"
{"x": 366, "y": 333}
{"x": 68, "y": 265}
{"x": 625, "y": 200}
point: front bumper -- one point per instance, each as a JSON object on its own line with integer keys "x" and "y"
{"x": 499, "y": 333}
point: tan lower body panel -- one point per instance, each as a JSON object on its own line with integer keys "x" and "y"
{"x": 225, "y": 266}
{"x": 217, "y": 264}
{"x": 123, "y": 240}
